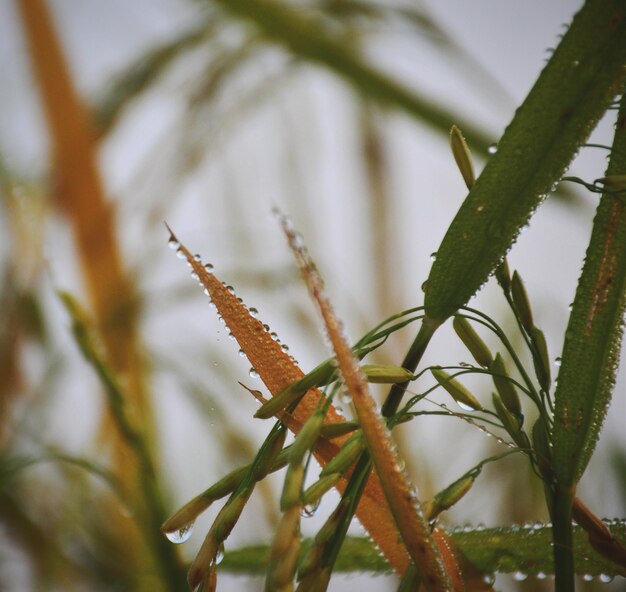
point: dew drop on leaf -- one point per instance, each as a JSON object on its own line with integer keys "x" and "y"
{"x": 519, "y": 576}
{"x": 173, "y": 244}
{"x": 219, "y": 556}
{"x": 309, "y": 510}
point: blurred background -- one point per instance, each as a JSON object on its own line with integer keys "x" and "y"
{"x": 181, "y": 111}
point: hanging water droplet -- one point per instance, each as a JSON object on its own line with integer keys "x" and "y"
{"x": 519, "y": 576}
{"x": 557, "y": 361}
{"x": 180, "y": 254}
{"x": 195, "y": 276}
{"x": 253, "y": 312}
{"x": 230, "y": 289}
{"x": 489, "y": 579}
{"x": 540, "y": 575}
{"x": 206, "y": 292}
{"x": 219, "y": 556}
{"x": 173, "y": 244}
{"x": 180, "y": 535}
{"x": 433, "y": 256}
{"x": 588, "y": 578}
{"x": 284, "y": 347}
{"x": 274, "y": 335}
{"x": 253, "y": 373}
{"x": 605, "y": 578}
{"x": 242, "y": 353}
{"x": 493, "y": 148}
{"x": 197, "y": 257}
{"x": 466, "y": 408}
{"x": 309, "y": 510}
{"x": 425, "y": 286}
{"x": 267, "y": 328}
{"x": 209, "y": 267}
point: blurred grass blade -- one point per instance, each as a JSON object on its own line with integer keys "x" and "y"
{"x": 523, "y": 551}
{"x": 403, "y": 502}
{"x": 314, "y": 41}
{"x": 277, "y": 370}
{"x": 568, "y": 99}
{"x": 593, "y": 338}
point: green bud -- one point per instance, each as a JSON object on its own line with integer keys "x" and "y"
{"x": 540, "y": 358}
{"x": 541, "y": 446}
{"x": 503, "y": 275}
{"x": 462, "y": 156}
{"x": 307, "y": 437}
{"x": 319, "y": 488}
{"x": 521, "y": 302}
{"x": 456, "y": 390}
{"x": 449, "y": 496}
{"x": 271, "y": 452}
{"x": 338, "y": 429}
{"x": 510, "y": 422}
{"x": 472, "y": 341}
{"x": 383, "y": 374}
{"x": 292, "y": 487}
{"x": 229, "y": 515}
{"x": 346, "y": 457}
{"x": 506, "y": 389}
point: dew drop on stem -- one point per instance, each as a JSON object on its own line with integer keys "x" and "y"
{"x": 493, "y": 148}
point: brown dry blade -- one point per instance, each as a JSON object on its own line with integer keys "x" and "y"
{"x": 600, "y": 537}
{"x": 405, "y": 507}
{"x": 277, "y": 370}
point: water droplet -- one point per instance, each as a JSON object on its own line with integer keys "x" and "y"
{"x": 557, "y": 361}
{"x": 433, "y": 256}
{"x": 540, "y": 575}
{"x": 206, "y": 292}
{"x": 242, "y": 353}
{"x": 197, "y": 257}
{"x": 575, "y": 63}
{"x": 605, "y": 578}
{"x": 209, "y": 267}
{"x": 180, "y": 254}
{"x": 493, "y": 148}
{"x": 309, "y": 510}
{"x": 180, "y": 535}
{"x": 274, "y": 335}
{"x": 253, "y": 373}
{"x": 173, "y": 244}
{"x": 253, "y": 312}
{"x": 195, "y": 276}
{"x": 219, "y": 556}
{"x": 345, "y": 397}
{"x": 489, "y": 579}
{"x": 465, "y": 407}
{"x": 425, "y": 286}
{"x": 230, "y": 289}
{"x": 519, "y": 576}
{"x": 284, "y": 347}
{"x": 588, "y": 578}
{"x": 267, "y": 328}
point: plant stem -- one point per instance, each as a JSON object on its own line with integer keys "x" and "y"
{"x": 411, "y": 360}
{"x": 562, "y": 501}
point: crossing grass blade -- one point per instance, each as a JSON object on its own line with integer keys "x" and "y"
{"x": 405, "y": 507}
{"x": 561, "y": 110}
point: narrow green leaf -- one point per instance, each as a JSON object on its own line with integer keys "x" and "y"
{"x": 570, "y": 96}
{"x": 525, "y": 551}
{"x": 301, "y": 31}
{"x": 592, "y": 341}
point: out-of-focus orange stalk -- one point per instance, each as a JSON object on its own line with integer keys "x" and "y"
{"x": 79, "y": 195}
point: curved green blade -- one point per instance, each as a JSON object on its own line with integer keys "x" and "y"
{"x": 571, "y": 94}
{"x": 592, "y": 341}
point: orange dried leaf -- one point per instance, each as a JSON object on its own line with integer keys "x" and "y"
{"x": 277, "y": 371}
{"x": 405, "y": 507}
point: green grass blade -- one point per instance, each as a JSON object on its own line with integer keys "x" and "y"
{"x": 311, "y": 39}
{"x": 592, "y": 342}
{"x": 568, "y": 99}
{"x": 526, "y": 551}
